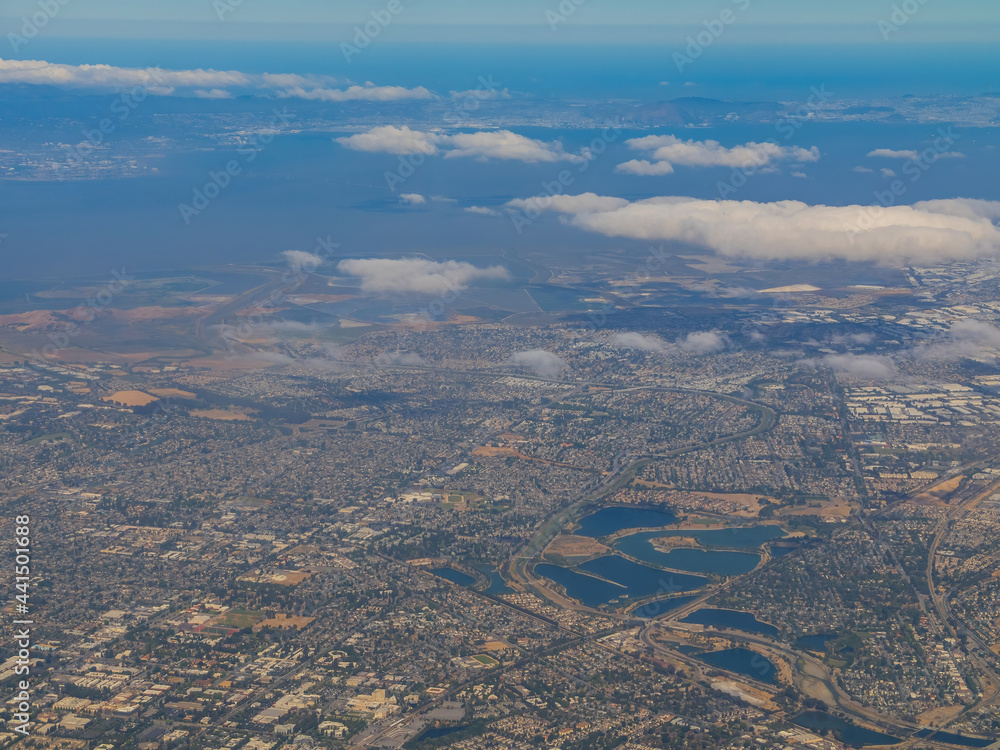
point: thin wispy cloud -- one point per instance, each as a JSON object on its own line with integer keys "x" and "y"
{"x": 205, "y": 83}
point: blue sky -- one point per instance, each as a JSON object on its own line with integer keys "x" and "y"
{"x": 765, "y": 21}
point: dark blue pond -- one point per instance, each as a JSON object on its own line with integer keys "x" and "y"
{"x": 720, "y": 562}
{"x": 636, "y": 581}
{"x": 850, "y": 734}
{"x": 586, "y": 589}
{"x": 497, "y": 584}
{"x": 743, "y": 661}
{"x": 729, "y": 619}
{"x": 436, "y": 733}
{"x": 816, "y": 642}
{"x": 660, "y": 607}
{"x": 953, "y": 739}
{"x": 455, "y": 576}
{"x": 609, "y": 520}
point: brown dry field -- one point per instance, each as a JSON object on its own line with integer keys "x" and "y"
{"x": 220, "y": 414}
{"x": 936, "y": 495}
{"x": 666, "y": 543}
{"x": 569, "y": 545}
{"x": 494, "y": 451}
{"x": 835, "y": 508}
{"x": 936, "y": 716}
{"x": 130, "y": 398}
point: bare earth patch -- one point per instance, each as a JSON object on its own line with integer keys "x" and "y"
{"x": 569, "y": 545}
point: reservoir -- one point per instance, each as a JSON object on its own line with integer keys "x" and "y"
{"x": 743, "y": 661}
{"x": 625, "y": 580}
{"x": 730, "y": 619}
{"x": 455, "y": 576}
{"x": 850, "y": 734}
{"x": 497, "y": 584}
{"x": 609, "y": 520}
{"x": 694, "y": 560}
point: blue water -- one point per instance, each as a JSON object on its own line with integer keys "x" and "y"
{"x": 851, "y": 734}
{"x": 816, "y": 642}
{"x": 728, "y": 619}
{"x": 743, "y": 661}
{"x": 694, "y": 560}
{"x": 660, "y": 607}
{"x": 747, "y": 72}
{"x": 636, "y": 581}
{"x": 954, "y": 739}
{"x": 497, "y": 584}
{"x": 455, "y": 576}
{"x": 589, "y": 591}
{"x": 609, "y": 520}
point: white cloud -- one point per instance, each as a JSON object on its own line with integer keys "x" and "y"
{"x": 912, "y": 155}
{"x": 399, "y": 358}
{"x": 302, "y": 261}
{"x": 702, "y": 342}
{"x": 862, "y": 170}
{"x": 954, "y": 229}
{"x": 540, "y": 361}
{"x": 389, "y": 139}
{"x": 886, "y": 172}
{"x": 632, "y": 340}
{"x": 212, "y": 94}
{"x": 891, "y": 153}
{"x": 417, "y": 274}
{"x": 863, "y": 366}
{"x": 412, "y": 199}
{"x": 568, "y": 204}
{"x": 202, "y": 83}
{"x": 369, "y": 93}
{"x": 482, "y": 211}
{"x": 966, "y": 208}
{"x": 491, "y": 144}
{"x": 967, "y": 338}
{"x": 667, "y": 151}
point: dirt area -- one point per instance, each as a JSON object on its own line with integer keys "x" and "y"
{"x": 937, "y": 716}
{"x": 833, "y": 508}
{"x": 937, "y": 494}
{"x": 811, "y": 684}
{"x": 667, "y": 543}
{"x": 492, "y": 451}
{"x": 569, "y": 545}
{"x": 221, "y": 414}
{"x": 130, "y": 398}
